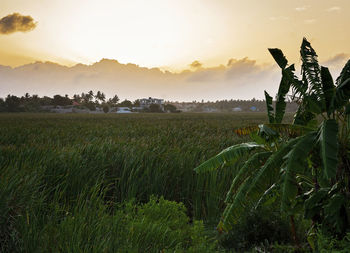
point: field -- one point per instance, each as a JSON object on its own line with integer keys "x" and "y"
{"x": 66, "y": 180}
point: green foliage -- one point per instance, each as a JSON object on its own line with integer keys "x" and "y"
{"x": 256, "y": 227}
{"x": 105, "y": 108}
{"x": 89, "y": 226}
{"x": 163, "y": 225}
{"x": 297, "y": 164}
{"x": 253, "y": 187}
{"x": 155, "y": 108}
{"x": 284, "y": 87}
{"x": 91, "y": 106}
{"x": 62, "y": 101}
{"x": 279, "y": 57}
{"x": 310, "y": 68}
{"x": 328, "y": 133}
{"x": 331, "y": 244}
{"x": 60, "y": 173}
{"x": 125, "y": 103}
{"x": 170, "y": 108}
{"x": 281, "y": 103}
{"x": 228, "y": 156}
{"x": 269, "y": 108}
{"x": 342, "y": 94}
{"x": 344, "y": 75}
{"x": 328, "y": 88}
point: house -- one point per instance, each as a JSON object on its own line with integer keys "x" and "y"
{"x": 237, "y": 109}
{"x": 62, "y": 109}
{"x": 80, "y": 110}
{"x": 123, "y": 110}
{"x": 146, "y": 102}
{"x": 209, "y": 109}
{"x": 253, "y": 109}
{"x": 97, "y": 110}
{"x": 137, "y": 109}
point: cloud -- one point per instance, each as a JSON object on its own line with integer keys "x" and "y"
{"x": 278, "y": 18}
{"x": 301, "y": 8}
{"x": 16, "y": 23}
{"x": 235, "y": 69}
{"x": 196, "y": 65}
{"x": 309, "y": 21}
{"x": 238, "y": 68}
{"x": 239, "y": 79}
{"x": 334, "y": 8}
{"x": 339, "y": 59}
{"x": 336, "y": 63}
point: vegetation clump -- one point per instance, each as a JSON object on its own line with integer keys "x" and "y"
{"x": 303, "y": 165}
{"x": 87, "y": 183}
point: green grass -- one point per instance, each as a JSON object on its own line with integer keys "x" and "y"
{"x": 52, "y": 166}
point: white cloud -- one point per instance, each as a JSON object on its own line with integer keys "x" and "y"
{"x": 239, "y": 79}
{"x": 278, "y": 18}
{"x": 301, "y": 8}
{"x": 339, "y": 59}
{"x": 334, "y": 8}
{"x": 309, "y": 21}
{"x": 336, "y": 63}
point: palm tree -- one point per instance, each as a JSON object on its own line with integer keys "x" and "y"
{"x": 100, "y": 96}
{"x": 113, "y": 101}
{"x": 305, "y": 164}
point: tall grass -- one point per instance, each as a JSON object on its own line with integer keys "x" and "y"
{"x": 62, "y": 176}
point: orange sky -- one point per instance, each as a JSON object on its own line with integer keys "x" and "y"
{"x": 226, "y": 39}
{"x": 172, "y": 34}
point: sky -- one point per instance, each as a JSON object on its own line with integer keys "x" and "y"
{"x": 171, "y": 35}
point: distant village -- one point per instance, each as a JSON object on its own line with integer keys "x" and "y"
{"x": 94, "y": 103}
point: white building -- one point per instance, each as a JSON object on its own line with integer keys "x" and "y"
{"x": 146, "y": 102}
{"x": 62, "y": 109}
{"x": 237, "y": 109}
{"x": 123, "y": 110}
{"x": 209, "y": 109}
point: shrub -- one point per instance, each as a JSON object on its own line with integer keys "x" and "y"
{"x": 105, "y": 108}
{"x": 255, "y": 228}
{"x": 91, "y": 106}
{"x": 170, "y": 108}
{"x": 331, "y": 244}
{"x": 163, "y": 225}
{"x": 155, "y": 108}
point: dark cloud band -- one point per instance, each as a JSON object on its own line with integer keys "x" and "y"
{"x": 196, "y": 64}
{"x": 16, "y": 23}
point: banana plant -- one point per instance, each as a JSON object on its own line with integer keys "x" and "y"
{"x": 307, "y": 162}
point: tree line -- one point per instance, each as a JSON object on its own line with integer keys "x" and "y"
{"x": 88, "y": 100}
{"x": 91, "y": 100}
{"x": 33, "y": 103}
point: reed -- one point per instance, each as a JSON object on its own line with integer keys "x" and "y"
{"x": 64, "y": 178}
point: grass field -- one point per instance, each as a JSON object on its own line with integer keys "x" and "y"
{"x": 64, "y": 177}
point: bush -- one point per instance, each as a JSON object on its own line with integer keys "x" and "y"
{"x": 170, "y": 108}
{"x": 155, "y": 108}
{"x": 48, "y": 164}
{"x": 163, "y": 225}
{"x": 331, "y": 244}
{"x": 91, "y": 225}
{"x": 262, "y": 226}
{"x": 105, "y": 108}
{"x": 91, "y": 106}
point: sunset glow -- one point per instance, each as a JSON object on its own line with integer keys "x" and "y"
{"x": 172, "y": 34}
{"x": 164, "y": 36}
